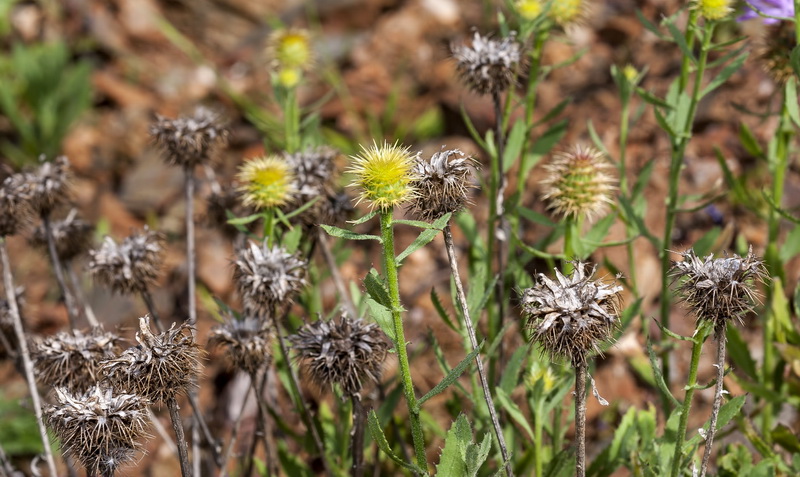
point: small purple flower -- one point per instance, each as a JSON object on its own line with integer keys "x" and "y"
{"x": 773, "y": 8}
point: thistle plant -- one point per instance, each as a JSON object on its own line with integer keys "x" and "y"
{"x": 291, "y": 56}
{"x": 71, "y": 360}
{"x": 267, "y": 183}
{"x": 570, "y": 318}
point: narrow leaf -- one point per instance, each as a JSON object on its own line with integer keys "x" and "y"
{"x": 348, "y": 234}
{"x": 513, "y": 410}
{"x": 380, "y": 439}
{"x": 451, "y": 377}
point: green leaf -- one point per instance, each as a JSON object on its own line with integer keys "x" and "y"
{"x": 787, "y": 439}
{"x": 302, "y": 208}
{"x": 740, "y": 354}
{"x": 245, "y": 220}
{"x": 727, "y": 412}
{"x": 380, "y": 439}
{"x": 679, "y": 38}
{"x": 791, "y": 246}
{"x": 596, "y": 139}
{"x": 452, "y": 462}
{"x": 703, "y": 246}
{"x": 649, "y": 97}
{"x": 791, "y": 101}
{"x": 451, "y": 376}
{"x": 365, "y": 218}
{"x": 348, "y": 234}
{"x": 516, "y": 138}
{"x": 291, "y": 463}
{"x": 589, "y": 242}
{"x": 443, "y": 314}
{"x": 650, "y": 26}
{"x": 425, "y": 237}
{"x": 513, "y": 410}
{"x": 376, "y": 288}
{"x": 510, "y": 376}
{"x": 555, "y": 111}
{"x": 383, "y": 317}
{"x": 550, "y": 138}
{"x": 659, "y": 377}
{"x": 749, "y": 141}
{"x": 477, "y": 454}
{"x": 726, "y": 73}
{"x": 535, "y": 217}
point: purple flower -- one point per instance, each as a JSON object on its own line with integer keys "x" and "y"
{"x": 773, "y": 8}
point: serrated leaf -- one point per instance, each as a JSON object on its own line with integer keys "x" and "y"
{"x": 378, "y": 436}
{"x": 454, "y": 374}
{"x": 425, "y": 237}
{"x": 443, "y": 314}
{"x": 513, "y": 410}
{"x": 452, "y": 462}
{"x": 726, "y": 413}
{"x": 348, "y": 234}
{"x": 383, "y": 317}
{"x": 477, "y": 454}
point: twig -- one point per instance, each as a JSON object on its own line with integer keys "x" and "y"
{"x": 69, "y": 302}
{"x": 8, "y": 283}
{"x": 357, "y": 436}
{"x": 335, "y": 274}
{"x": 76, "y": 287}
{"x": 203, "y": 429}
{"x": 151, "y": 309}
{"x": 462, "y": 301}
{"x": 712, "y": 428}
{"x": 192, "y": 320}
{"x": 581, "y": 369}
{"x": 264, "y": 411}
{"x": 177, "y": 426}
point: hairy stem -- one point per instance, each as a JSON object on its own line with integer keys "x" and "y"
{"x": 581, "y": 370}
{"x": 27, "y": 364}
{"x": 357, "y": 436}
{"x": 697, "y": 347}
{"x": 462, "y": 302}
{"x": 69, "y": 301}
{"x": 712, "y": 428}
{"x": 180, "y": 438}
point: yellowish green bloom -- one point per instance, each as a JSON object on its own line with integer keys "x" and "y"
{"x": 384, "y": 174}
{"x": 291, "y": 49}
{"x": 579, "y": 183}
{"x": 266, "y": 182}
{"x": 714, "y": 9}
{"x": 564, "y": 12}
{"x": 529, "y": 9}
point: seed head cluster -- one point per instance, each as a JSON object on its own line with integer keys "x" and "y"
{"x": 189, "y": 140}
{"x": 488, "y": 66}
{"x": 442, "y": 183}
{"x": 267, "y": 277}
{"x": 71, "y": 360}
{"x": 570, "y": 317}
{"x": 15, "y": 208}
{"x": 315, "y": 173}
{"x": 48, "y": 186}
{"x": 719, "y": 289}
{"x": 384, "y": 174}
{"x": 345, "y": 353}
{"x": 99, "y": 428}
{"x": 72, "y": 236}
{"x": 248, "y": 342}
{"x": 131, "y": 266}
{"x": 579, "y": 183}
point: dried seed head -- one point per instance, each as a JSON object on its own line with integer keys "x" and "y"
{"x": 774, "y": 51}
{"x": 267, "y": 182}
{"x": 189, "y": 140}
{"x": 130, "y": 267}
{"x": 572, "y": 316}
{"x": 337, "y": 208}
{"x": 248, "y": 342}
{"x": 48, "y": 186}
{"x": 267, "y": 277}
{"x": 15, "y": 208}
{"x": 714, "y": 9}
{"x": 219, "y": 203}
{"x": 719, "y": 289}
{"x": 72, "y": 236}
{"x": 384, "y": 174}
{"x": 442, "y": 184}
{"x": 315, "y": 174}
{"x": 100, "y": 428}
{"x": 345, "y": 353}
{"x": 71, "y": 360}
{"x": 487, "y": 66}
{"x": 578, "y": 183}
{"x": 160, "y": 367}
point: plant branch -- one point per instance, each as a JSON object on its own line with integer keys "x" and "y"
{"x": 712, "y": 428}
{"x": 69, "y": 301}
{"x": 581, "y": 370}
{"x": 180, "y": 438}
{"x": 697, "y": 347}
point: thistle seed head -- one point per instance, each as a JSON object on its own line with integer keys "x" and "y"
{"x": 442, "y": 183}
{"x": 248, "y": 342}
{"x": 99, "y": 428}
{"x": 572, "y": 316}
{"x": 267, "y": 277}
{"x": 267, "y": 182}
{"x": 384, "y": 174}
{"x": 189, "y": 140}
{"x": 15, "y": 207}
{"x": 578, "y": 183}
{"x": 71, "y": 360}
{"x": 219, "y": 203}
{"x": 48, "y": 186}
{"x": 488, "y": 66}
{"x": 130, "y": 267}
{"x": 72, "y": 236}
{"x": 315, "y": 174}
{"x": 774, "y": 50}
{"x": 719, "y": 289}
{"x": 345, "y": 353}
{"x": 160, "y": 367}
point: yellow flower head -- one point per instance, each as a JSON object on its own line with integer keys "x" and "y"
{"x": 630, "y": 72}
{"x": 564, "y": 12}
{"x": 384, "y": 174}
{"x": 529, "y": 9}
{"x": 266, "y": 182}
{"x": 578, "y": 183}
{"x": 291, "y": 49}
{"x": 714, "y": 9}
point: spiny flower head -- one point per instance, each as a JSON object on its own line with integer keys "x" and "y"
{"x": 267, "y": 277}
{"x": 774, "y": 51}
{"x": 773, "y": 8}
{"x": 571, "y": 316}
{"x": 487, "y": 66}
{"x": 266, "y": 182}
{"x": 384, "y": 174}
{"x": 714, "y": 9}
{"x": 578, "y": 183}
{"x": 130, "y": 267}
{"x": 248, "y": 342}
{"x": 344, "y": 353}
{"x": 719, "y": 289}
{"x": 72, "y": 236}
{"x": 162, "y": 366}
{"x": 48, "y": 186}
{"x": 442, "y": 184}
{"x": 189, "y": 140}
{"x": 71, "y": 360}
{"x": 291, "y": 54}
{"x": 529, "y": 9}
{"x": 565, "y": 12}
{"x": 15, "y": 208}
{"x": 99, "y": 428}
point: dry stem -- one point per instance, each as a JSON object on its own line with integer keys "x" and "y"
{"x": 581, "y": 369}
{"x": 177, "y": 425}
{"x": 712, "y": 429}
{"x": 72, "y": 310}
{"x": 357, "y": 436}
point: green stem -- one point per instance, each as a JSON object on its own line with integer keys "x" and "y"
{"x": 292, "y": 121}
{"x": 390, "y": 268}
{"x": 269, "y": 225}
{"x": 538, "y": 426}
{"x": 697, "y": 348}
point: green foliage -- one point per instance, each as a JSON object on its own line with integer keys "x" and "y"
{"x": 461, "y": 456}
{"x": 18, "y": 434}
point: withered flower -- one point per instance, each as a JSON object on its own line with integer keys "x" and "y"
{"x": 571, "y": 316}
{"x": 314, "y": 176}
{"x": 719, "y": 289}
{"x": 442, "y": 184}
{"x": 160, "y": 367}
{"x": 15, "y": 208}
{"x": 48, "y": 186}
{"x": 189, "y": 140}
{"x": 132, "y": 266}
{"x": 100, "y": 428}
{"x": 248, "y": 342}
{"x": 488, "y": 66}
{"x": 266, "y": 277}
{"x": 72, "y": 236}
{"x": 345, "y": 353}
{"x": 71, "y": 360}
{"x": 219, "y": 203}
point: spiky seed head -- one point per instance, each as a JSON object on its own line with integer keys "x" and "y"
{"x": 488, "y": 66}
{"x": 247, "y": 341}
{"x": 529, "y": 9}
{"x": 267, "y": 277}
{"x": 161, "y": 367}
{"x": 719, "y": 289}
{"x": 570, "y": 317}
{"x": 315, "y": 175}
{"x": 579, "y": 183}
{"x": 291, "y": 54}
{"x": 130, "y": 267}
{"x": 100, "y": 428}
{"x": 384, "y": 174}
{"x": 219, "y": 203}
{"x": 267, "y": 182}
{"x": 189, "y": 140}
{"x": 774, "y": 51}
{"x": 346, "y": 353}
{"x": 714, "y": 9}
{"x": 567, "y": 12}
{"x": 15, "y": 206}
{"x": 71, "y": 360}
{"x": 442, "y": 183}
{"x": 72, "y": 236}
{"x": 338, "y": 207}
{"x": 48, "y": 186}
